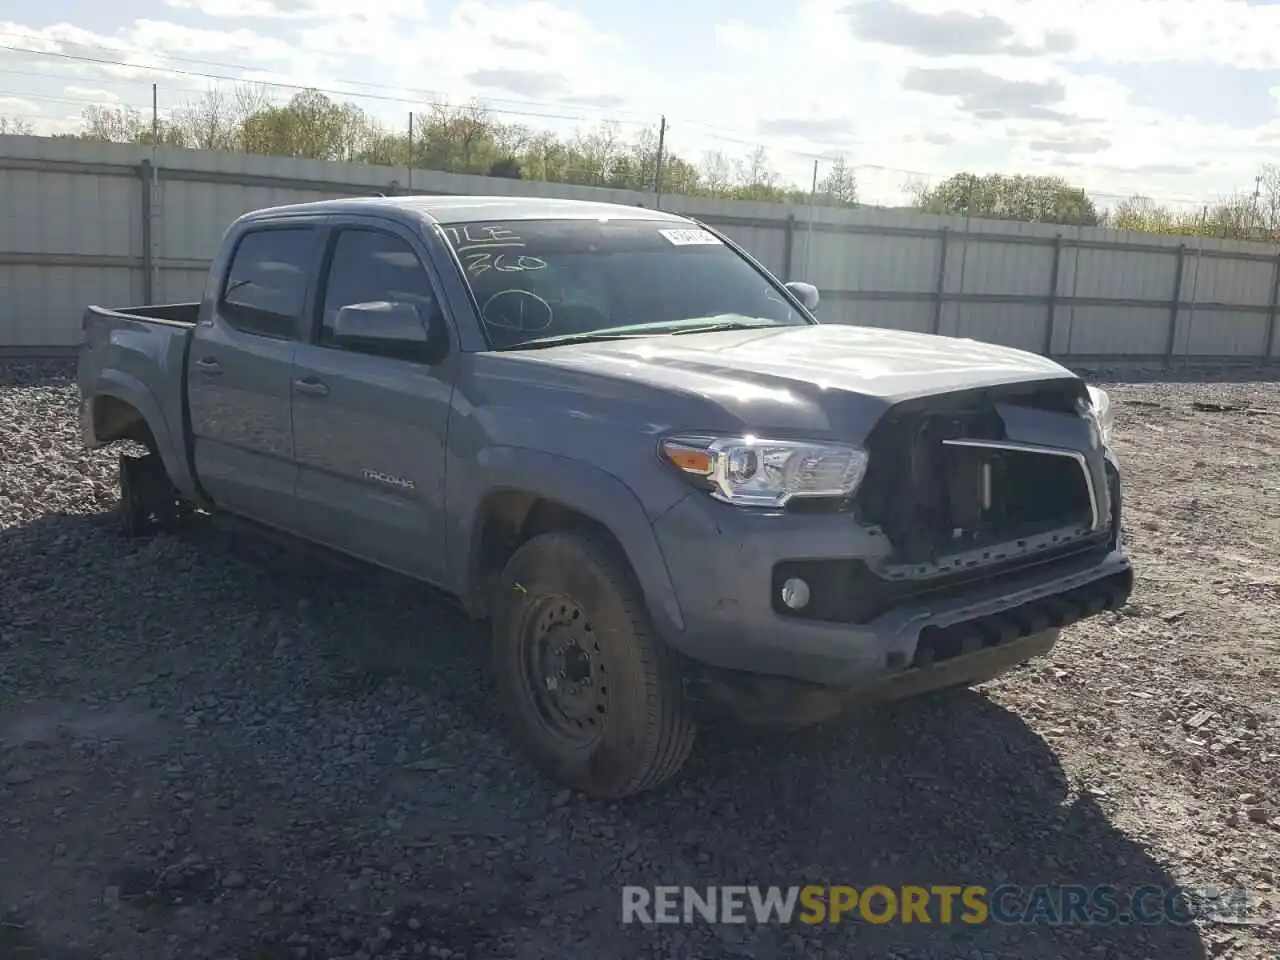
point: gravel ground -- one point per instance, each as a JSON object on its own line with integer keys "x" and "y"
{"x": 214, "y": 747}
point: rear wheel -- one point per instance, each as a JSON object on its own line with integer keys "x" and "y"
{"x": 590, "y": 692}
{"x": 134, "y": 511}
{"x": 148, "y": 500}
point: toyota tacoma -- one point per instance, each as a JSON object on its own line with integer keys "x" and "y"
{"x": 616, "y": 438}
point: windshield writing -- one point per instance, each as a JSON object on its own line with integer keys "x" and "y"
{"x": 540, "y": 279}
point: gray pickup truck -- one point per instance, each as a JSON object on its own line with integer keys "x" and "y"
{"x": 613, "y": 435}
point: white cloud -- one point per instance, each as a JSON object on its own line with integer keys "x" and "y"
{"x": 18, "y": 107}
{"x": 92, "y": 93}
{"x": 930, "y": 86}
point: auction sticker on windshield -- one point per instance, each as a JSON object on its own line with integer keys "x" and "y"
{"x": 684, "y": 238}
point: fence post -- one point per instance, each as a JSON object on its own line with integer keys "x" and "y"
{"x": 940, "y": 285}
{"x": 1271, "y": 311}
{"x": 1173, "y": 307}
{"x": 145, "y": 171}
{"x": 1053, "y": 295}
{"x": 788, "y": 246}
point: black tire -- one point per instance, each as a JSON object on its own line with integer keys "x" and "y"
{"x": 134, "y": 511}
{"x": 643, "y": 734}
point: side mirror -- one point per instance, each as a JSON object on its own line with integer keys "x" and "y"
{"x": 806, "y": 293}
{"x": 393, "y": 329}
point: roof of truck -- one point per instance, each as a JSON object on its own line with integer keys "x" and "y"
{"x": 472, "y": 208}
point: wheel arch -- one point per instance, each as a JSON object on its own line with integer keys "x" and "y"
{"x": 121, "y": 407}
{"x": 531, "y": 493}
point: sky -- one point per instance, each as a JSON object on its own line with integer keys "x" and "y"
{"x": 1178, "y": 100}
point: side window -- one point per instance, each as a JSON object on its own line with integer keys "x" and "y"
{"x": 369, "y": 266}
{"x": 267, "y": 282}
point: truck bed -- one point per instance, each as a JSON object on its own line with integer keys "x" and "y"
{"x": 132, "y": 377}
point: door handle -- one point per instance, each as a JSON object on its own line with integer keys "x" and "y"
{"x": 208, "y": 365}
{"x": 311, "y": 387}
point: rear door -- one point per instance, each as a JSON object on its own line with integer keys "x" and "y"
{"x": 370, "y": 431}
{"x": 240, "y": 365}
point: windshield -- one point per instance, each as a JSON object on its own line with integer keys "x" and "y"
{"x": 540, "y": 279}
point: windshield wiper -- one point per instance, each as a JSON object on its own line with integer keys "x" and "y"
{"x": 726, "y": 325}
{"x": 633, "y": 331}
{"x": 587, "y": 337}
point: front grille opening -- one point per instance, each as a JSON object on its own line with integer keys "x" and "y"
{"x": 1008, "y": 491}
{"x": 935, "y": 497}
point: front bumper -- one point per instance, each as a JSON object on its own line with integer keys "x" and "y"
{"x": 721, "y": 561}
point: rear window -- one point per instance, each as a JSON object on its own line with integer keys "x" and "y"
{"x": 540, "y": 278}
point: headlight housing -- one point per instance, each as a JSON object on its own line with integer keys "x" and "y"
{"x": 756, "y": 472}
{"x": 1100, "y": 413}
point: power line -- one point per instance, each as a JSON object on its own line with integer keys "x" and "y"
{"x": 420, "y": 95}
{"x": 103, "y": 61}
{"x": 224, "y": 65}
{"x": 427, "y": 94}
{"x": 424, "y": 94}
{"x": 72, "y": 101}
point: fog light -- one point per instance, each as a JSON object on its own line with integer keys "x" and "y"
{"x": 795, "y": 593}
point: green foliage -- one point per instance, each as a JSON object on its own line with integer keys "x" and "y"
{"x": 457, "y": 139}
{"x": 999, "y": 197}
{"x": 1253, "y": 216}
{"x": 508, "y": 167}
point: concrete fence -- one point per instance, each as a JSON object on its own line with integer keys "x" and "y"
{"x": 118, "y": 225}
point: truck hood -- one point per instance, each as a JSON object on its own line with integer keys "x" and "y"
{"x": 806, "y": 362}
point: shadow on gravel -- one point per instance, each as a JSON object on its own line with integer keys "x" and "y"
{"x": 36, "y": 373}
{"x": 947, "y": 790}
{"x": 950, "y": 790}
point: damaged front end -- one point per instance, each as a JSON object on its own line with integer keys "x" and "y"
{"x": 968, "y": 480}
{"x": 970, "y": 489}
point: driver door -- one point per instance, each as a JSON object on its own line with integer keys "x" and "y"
{"x": 370, "y": 431}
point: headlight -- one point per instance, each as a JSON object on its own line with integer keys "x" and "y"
{"x": 1100, "y": 413}
{"x": 755, "y": 472}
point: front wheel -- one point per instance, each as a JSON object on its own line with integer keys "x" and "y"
{"x": 589, "y": 691}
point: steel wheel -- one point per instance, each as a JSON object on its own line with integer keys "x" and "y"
{"x": 563, "y": 672}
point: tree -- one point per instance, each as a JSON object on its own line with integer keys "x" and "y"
{"x": 13, "y": 127}
{"x": 216, "y": 121}
{"x": 310, "y": 125}
{"x": 716, "y": 173}
{"x": 508, "y": 167}
{"x": 1141, "y": 213}
{"x": 127, "y": 125}
{"x": 839, "y": 188}
{"x": 1000, "y": 197}
{"x": 756, "y": 179}
{"x": 1240, "y": 217}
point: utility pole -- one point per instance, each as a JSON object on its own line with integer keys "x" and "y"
{"x": 408, "y": 179}
{"x": 657, "y": 170}
{"x": 153, "y": 188}
{"x": 1253, "y": 213}
{"x": 808, "y": 237}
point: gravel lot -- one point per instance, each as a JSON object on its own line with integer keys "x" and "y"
{"x": 216, "y": 747}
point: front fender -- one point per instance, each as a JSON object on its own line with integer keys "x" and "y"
{"x": 129, "y": 389}
{"x": 579, "y": 486}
